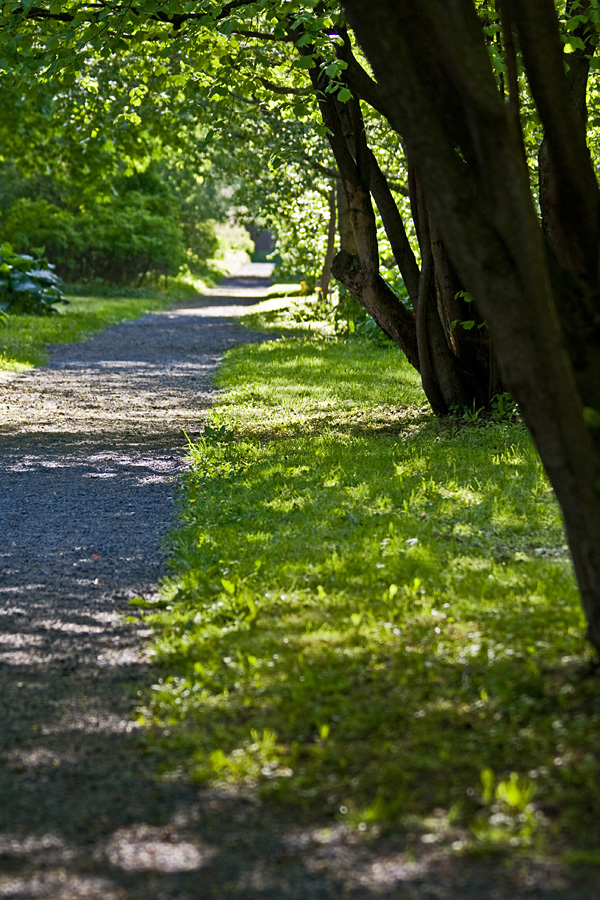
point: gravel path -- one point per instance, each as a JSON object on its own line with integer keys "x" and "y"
{"x": 89, "y": 449}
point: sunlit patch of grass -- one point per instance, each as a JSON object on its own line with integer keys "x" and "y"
{"x": 304, "y": 384}
{"x": 372, "y": 613}
{"x": 24, "y": 339}
{"x": 288, "y": 309}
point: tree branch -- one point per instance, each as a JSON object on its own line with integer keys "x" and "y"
{"x": 381, "y": 302}
{"x": 281, "y": 89}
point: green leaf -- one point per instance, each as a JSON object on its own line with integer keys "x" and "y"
{"x": 300, "y": 109}
{"x": 344, "y": 95}
{"x": 304, "y": 62}
{"x": 575, "y": 43}
{"x": 464, "y": 295}
{"x": 574, "y": 22}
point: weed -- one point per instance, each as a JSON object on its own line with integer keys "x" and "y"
{"x": 511, "y": 819}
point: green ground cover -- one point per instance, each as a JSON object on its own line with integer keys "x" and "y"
{"x": 372, "y": 613}
{"x": 24, "y": 339}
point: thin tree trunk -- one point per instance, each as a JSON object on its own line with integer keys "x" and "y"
{"x": 330, "y": 252}
{"x": 345, "y": 230}
{"x": 381, "y": 302}
{"x": 357, "y": 264}
{"x": 445, "y": 380}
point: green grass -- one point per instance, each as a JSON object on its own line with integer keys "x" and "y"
{"x": 24, "y": 339}
{"x": 372, "y": 613}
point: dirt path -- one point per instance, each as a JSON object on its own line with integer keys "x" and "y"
{"x": 89, "y": 447}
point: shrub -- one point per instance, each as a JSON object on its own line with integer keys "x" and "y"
{"x": 42, "y": 228}
{"x": 202, "y": 241}
{"x": 126, "y": 241}
{"x": 122, "y": 242}
{"x": 27, "y": 285}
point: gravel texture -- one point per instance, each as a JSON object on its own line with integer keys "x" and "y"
{"x": 90, "y": 447}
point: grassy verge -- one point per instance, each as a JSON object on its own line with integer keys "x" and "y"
{"x": 24, "y": 339}
{"x": 372, "y": 613}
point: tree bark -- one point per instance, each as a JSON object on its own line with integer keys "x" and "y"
{"x": 345, "y": 230}
{"x": 578, "y": 304}
{"x": 330, "y": 251}
{"x": 394, "y": 226}
{"x": 446, "y": 381}
{"x": 561, "y": 104}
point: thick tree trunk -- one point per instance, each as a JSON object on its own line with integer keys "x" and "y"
{"x": 431, "y": 62}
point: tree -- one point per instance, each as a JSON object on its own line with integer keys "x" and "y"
{"x": 103, "y": 196}
{"x": 536, "y": 281}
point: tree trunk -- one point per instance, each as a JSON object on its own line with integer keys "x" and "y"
{"x": 357, "y": 265}
{"x": 345, "y": 230}
{"x": 432, "y": 64}
{"x": 381, "y": 302}
{"x": 444, "y": 377}
{"x": 449, "y": 381}
{"x": 330, "y": 251}
{"x": 455, "y": 361}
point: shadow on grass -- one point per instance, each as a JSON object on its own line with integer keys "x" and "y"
{"x": 382, "y": 632}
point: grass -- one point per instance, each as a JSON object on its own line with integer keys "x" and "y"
{"x": 24, "y": 339}
{"x": 372, "y": 613}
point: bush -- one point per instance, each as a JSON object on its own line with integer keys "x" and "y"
{"x": 202, "y": 241}
{"x": 125, "y": 242}
{"x": 146, "y": 228}
{"x": 43, "y": 229}
{"x": 27, "y": 285}
{"x": 122, "y": 242}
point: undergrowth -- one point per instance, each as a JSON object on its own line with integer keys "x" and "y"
{"x": 372, "y": 613}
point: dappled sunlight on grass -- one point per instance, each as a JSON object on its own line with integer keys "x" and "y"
{"x": 378, "y": 626}
{"x": 293, "y": 385}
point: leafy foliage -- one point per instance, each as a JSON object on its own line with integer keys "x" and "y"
{"x": 133, "y": 235}
{"x": 28, "y": 285}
